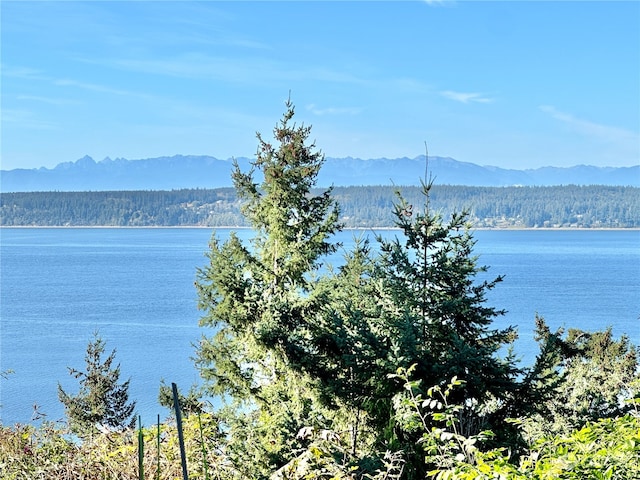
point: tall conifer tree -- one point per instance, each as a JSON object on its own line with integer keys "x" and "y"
{"x": 255, "y": 296}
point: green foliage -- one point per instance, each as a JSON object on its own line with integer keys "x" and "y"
{"x": 429, "y": 274}
{"x": 102, "y": 401}
{"x": 254, "y": 298}
{"x": 600, "y": 379}
{"x": 436, "y": 420}
{"x": 417, "y": 302}
{"x": 605, "y": 449}
{"x": 608, "y": 448}
{"x": 330, "y": 455}
{"x": 191, "y": 403}
{"x": 27, "y": 452}
{"x": 350, "y": 346}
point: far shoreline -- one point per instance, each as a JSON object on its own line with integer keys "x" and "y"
{"x": 235, "y": 227}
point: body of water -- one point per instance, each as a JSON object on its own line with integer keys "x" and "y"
{"x": 135, "y": 287}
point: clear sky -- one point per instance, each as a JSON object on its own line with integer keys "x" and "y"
{"x": 511, "y": 84}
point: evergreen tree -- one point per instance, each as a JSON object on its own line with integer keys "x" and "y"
{"x": 102, "y": 402}
{"x": 414, "y": 303}
{"x": 447, "y": 329}
{"x": 418, "y": 304}
{"x": 430, "y": 273}
{"x": 600, "y": 379}
{"x": 256, "y": 296}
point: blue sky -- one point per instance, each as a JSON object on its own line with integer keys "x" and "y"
{"x": 510, "y": 84}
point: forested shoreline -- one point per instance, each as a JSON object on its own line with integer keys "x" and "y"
{"x": 595, "y": 206}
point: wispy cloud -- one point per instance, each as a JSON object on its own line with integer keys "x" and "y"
{"x": 592, "y": 129}
{"x": 47, "y": 100}
{"x": 464, "y": 97}
{"x": 438, "y": 3}
{"x": 333, "y": 110}
{"x": 192, "y": 65}
{"x": 411, "y": 85}
{"x": 95, "y": 87}
{"x": 25, "y": 119}
{"x": 25, "y": 73}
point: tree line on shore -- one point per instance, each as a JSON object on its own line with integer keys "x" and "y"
{"x": 595, "y": 206}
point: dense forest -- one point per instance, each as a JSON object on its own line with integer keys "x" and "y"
{"x": 593, "y": 206}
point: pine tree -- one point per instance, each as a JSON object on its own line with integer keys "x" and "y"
{"x": 101, "y": 402}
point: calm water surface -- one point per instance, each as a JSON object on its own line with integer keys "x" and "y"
{"x": 135, "y": 287}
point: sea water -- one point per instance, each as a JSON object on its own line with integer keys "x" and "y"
{"x": 135, "y": 288}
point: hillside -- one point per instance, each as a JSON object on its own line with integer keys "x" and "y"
{"x": 179, "y": 172}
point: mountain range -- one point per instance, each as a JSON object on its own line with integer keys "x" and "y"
{"x": 191, "y": 171}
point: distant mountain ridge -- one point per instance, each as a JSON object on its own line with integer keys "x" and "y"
{"x": 200, "y": 171}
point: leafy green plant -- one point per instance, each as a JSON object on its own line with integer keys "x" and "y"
{"x": 436, "y": 419}
{"x": 606, "y": 449}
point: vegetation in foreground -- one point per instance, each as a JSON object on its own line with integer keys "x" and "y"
{"x": 608, "y": 448}
{"x": 388, "y": 367}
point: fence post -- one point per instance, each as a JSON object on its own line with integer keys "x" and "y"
{"x": 140, "y": 450}
{"x": 183, "y": 454}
